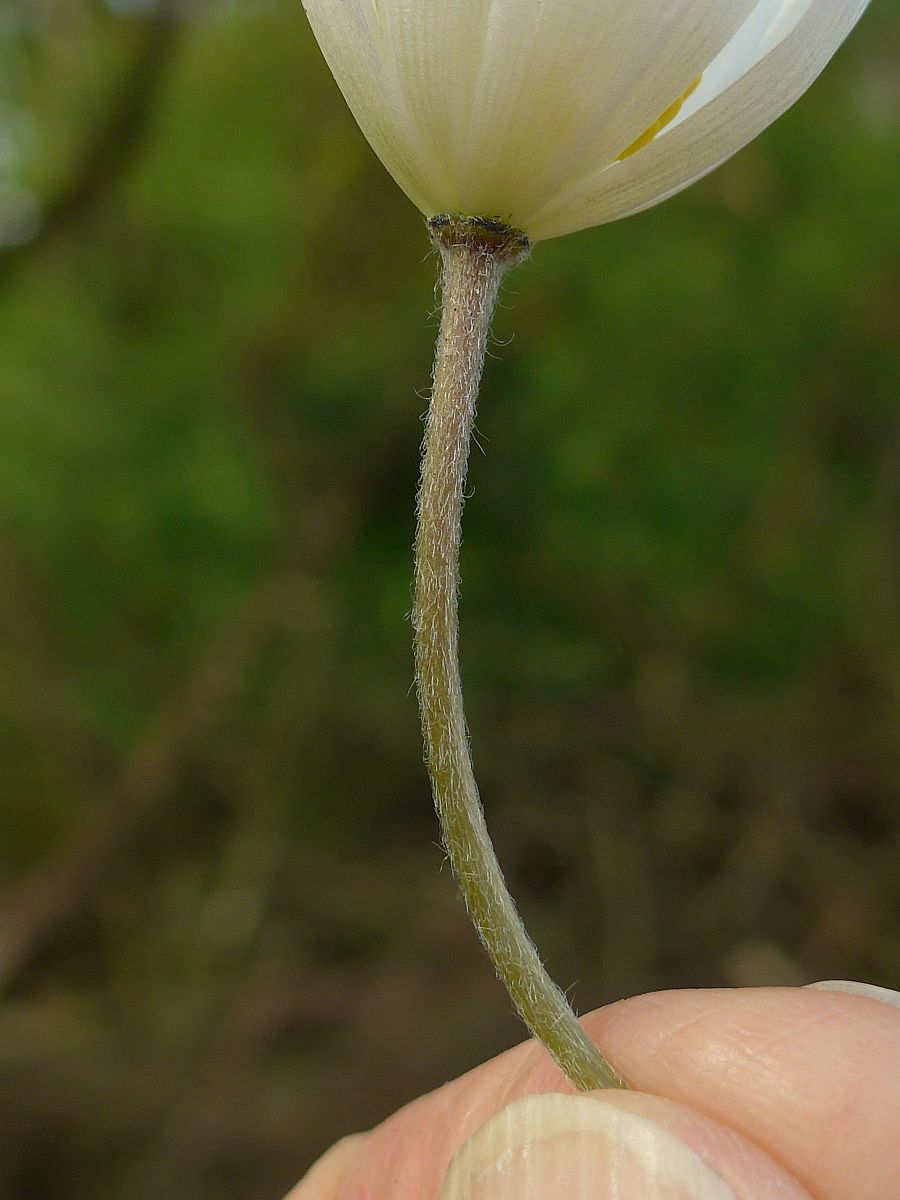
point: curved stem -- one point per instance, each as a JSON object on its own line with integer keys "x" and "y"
{"x": 475, "y": 254}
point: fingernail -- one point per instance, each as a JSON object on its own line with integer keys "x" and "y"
{"x": 869, "y": 990}
{"x": 579, "y": 1148}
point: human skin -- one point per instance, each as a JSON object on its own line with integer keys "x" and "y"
{"x": 785, "y": 1093}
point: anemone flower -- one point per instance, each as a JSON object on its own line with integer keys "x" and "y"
{"x": 508, "y": 122}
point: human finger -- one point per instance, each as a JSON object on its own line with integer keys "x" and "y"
{"x": 611, "y": 1146}
{"x": 812, "y": 1078}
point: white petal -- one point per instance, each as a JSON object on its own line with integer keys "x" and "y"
{"x": 488, "y": 106}
{"x": 565, "y": 80}
{"x": 349, "y": 35}
{"x": 770, "y": 22}
{"x": 693, "y": 147}
{"x": 434, "y": 49}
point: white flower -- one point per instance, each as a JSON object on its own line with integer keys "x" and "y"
{"x": 554, "y": 115}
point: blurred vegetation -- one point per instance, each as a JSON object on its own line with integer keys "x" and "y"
{"x": 225, "y": 935}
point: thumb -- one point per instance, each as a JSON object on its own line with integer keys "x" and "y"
{"x": 593, "y": 1147}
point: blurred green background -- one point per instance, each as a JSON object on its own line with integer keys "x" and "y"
{"x": 226, "y": 937}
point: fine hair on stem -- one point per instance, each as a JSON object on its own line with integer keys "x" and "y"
{"x": 475, "y": 254}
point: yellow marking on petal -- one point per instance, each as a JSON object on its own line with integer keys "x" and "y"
{"x": 660, "y": 123}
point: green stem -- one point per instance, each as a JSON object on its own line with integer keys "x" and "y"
{"x": 476, "y": 254}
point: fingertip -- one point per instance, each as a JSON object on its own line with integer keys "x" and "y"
{"x": 608, "y": 1145}
{"x": 795, "y": 1070}
{"x": 851, "y": 987}
{"x": 545, "y": 1146}
{"x": 323, "y": 1179}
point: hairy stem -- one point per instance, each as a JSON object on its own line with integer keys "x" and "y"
{"x": 476, "y": 254}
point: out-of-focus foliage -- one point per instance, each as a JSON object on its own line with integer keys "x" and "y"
{"x": 225, "y": 938}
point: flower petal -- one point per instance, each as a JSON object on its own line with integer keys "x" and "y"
{"x": 434, "y": 50}
{"x": 695, "y": 145}
{"x": 487, "y": 107}
{"x": 567, "y": 80}
{"x": 770, "y": 22}
{"x": 350, "y": 38}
